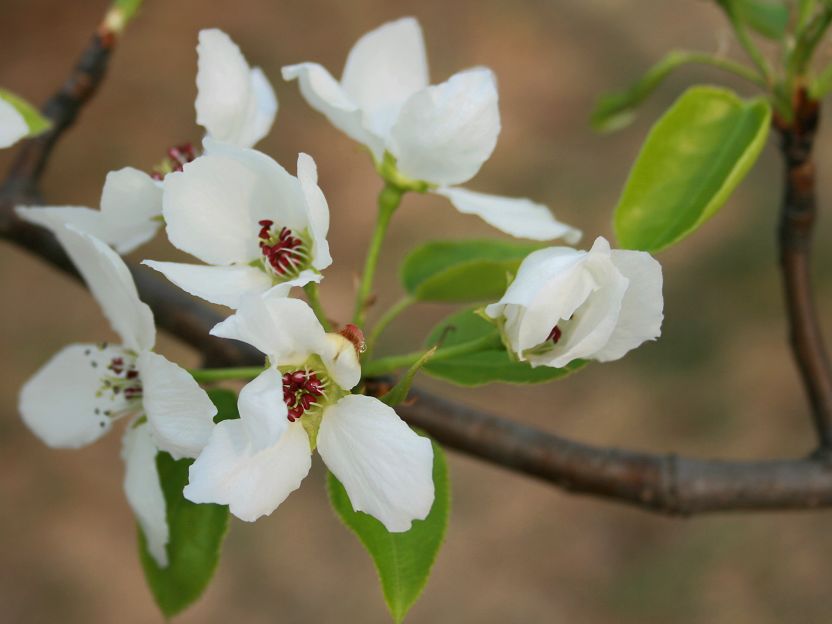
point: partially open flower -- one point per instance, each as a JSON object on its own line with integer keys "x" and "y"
{"x": 77, "y": 396}
{"x": 302, "y": 400}
{"x": 256, "y": 226}
{"x": 130, "y": 215}
{"x": 567, "y": 304}
{"x": 13, "y": 126}
{"x": 425, "y": 136}
{"x": 234, "y": 103}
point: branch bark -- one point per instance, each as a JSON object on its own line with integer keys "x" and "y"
{"x": 797, "y": 221}
{"x": 663, "y": 483}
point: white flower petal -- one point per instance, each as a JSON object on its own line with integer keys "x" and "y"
{"x": 144, "y": 491}
{"x": 263, "y": 410}
{"x": 323, "y": 93}
{"x": 230, "y": 471}
{"x": 59, "y": 403}
{"x": 12, "y": 125}
{"x": 341, "y": 361}
{"x": 641, "y": 310}
{"x": 234, "y": 103}
{"x": 386, "y": 468}
{"x": 112, "y": 285}
{"x": 445, "y": 133}
{"x": 317, "y": 210}
{"x": 212, "y": 207}
{"x": 131, "y": 204}
{"x": 224, "y": 285}
{"x": 179, "y": 412}
{"x": 284, "y": 329}
{"x": 384, "y": 68}
{"x": 518, "y": 216}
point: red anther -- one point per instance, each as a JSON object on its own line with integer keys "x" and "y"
{"x": 299, "y": 377}
{"x": 132, "y": 374}
{"x": 555, "y": 334}
{"x": 354, "y": 334}
{"x": 281, "y": 250}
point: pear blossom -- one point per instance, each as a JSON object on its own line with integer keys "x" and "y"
{"x": 77, "y": 396}
{"x": 422, "y": 136}
{"x": 130, "y": 215}
{"x": 566, "y": 304}
{"x": 300, "y": 401}
{"x": 235, "y": 103}
{"x": 13, "y": 126}
{"x": 257, "y": 227}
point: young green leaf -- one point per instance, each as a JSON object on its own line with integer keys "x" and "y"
{"x": 403, "y": 560}
{"x": 617, "y": 110}
{"x": 196, "y": 535}
{"x": 226, "y": 403}
{"x": 487, "y": 366}
{"x": 693, "y": 159}
{"x": 462, "y": 271}
{"x": 770, "y": 18}
{"x": 36, "y": 122}
{"x": 398, "y": 393}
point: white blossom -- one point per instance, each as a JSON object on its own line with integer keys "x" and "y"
{"x": 257, "y": 227}
{"x": 300, "y": 401}
{"x": 130, "y": 215}
{"x": 13, "y": 126}
{"x": 77, "y": 396}
{"x": 567, "y": 304}
{"x": 436, "y": 134}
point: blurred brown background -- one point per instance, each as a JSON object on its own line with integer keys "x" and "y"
{"x": 720, "y": 382}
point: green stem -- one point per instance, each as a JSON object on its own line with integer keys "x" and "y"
{"x": 388, "y": 317}
{"x": 747, "y": 43}
{"x": 208, "y": 375}
{"x": 727, "y": 65}
{"x": 388, "y": 200}
{"x": 311, "y": 290}
{"x": 383, "y": 366}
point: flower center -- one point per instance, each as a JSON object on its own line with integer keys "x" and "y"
{"x": 302, "y": 390}
{"x": 285, "y": 254}
{"x": 123, "y": 380}
{"x": 177, "y": 157}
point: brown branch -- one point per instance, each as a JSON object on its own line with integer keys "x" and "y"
{"x": 664, "y": 483}
{"x": 795, "y": 236}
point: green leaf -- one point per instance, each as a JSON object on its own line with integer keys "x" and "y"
{"x": 398, "y": 393}
{"x": 617, "y": 110}
{"x": 37, "y": 123}
{"x": 462, "y": 271}
{"x": 196, "y": 535}
{"x": 693, "y": 159}
{"x": 403, "y": 560}
{"x": 767, "y": 17}
{"x": 226, "y": 403}
{"x": 483, "y": 367}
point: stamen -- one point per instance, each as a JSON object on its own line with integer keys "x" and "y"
{"x": 555, "y": 334}
{"x": 354, "y": 334}
{"x": 300, "y": 389}
{"x": 283, "y": 252}
{"x": 177, "y": 157}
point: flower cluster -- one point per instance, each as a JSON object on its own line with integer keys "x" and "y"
{"x": 258, "y": 232}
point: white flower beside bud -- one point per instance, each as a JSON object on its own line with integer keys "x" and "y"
{"x": 566, "y": 304}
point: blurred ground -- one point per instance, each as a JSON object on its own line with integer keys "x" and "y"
{"x": 719, "y": 383}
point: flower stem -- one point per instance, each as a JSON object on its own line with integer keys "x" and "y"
{"x": 388, "y": 200}
{"x": 311, "y": 290}
{"x": 207, "y": 375}
{"x": 383, "y": 366}
{"x": 388, "y": 317}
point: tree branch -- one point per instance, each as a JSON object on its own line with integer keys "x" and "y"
{"x": 797, "y": 220}
{"x": 663, "y": 483}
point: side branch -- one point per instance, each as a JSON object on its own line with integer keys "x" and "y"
{"x": 797, "y": 221}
